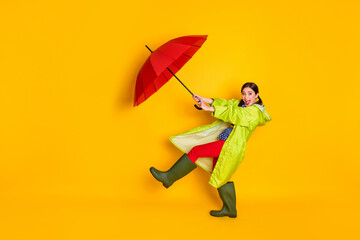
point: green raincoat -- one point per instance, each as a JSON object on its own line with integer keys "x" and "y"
{"x": 228, "y": 112}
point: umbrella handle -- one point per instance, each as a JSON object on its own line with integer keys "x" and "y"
{"x": 197, "y": 107}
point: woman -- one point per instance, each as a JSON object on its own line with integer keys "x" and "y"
{"x": 218, "y": 147}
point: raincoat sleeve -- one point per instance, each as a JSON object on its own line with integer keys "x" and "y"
{"x": 235, "y": 115}
{"x": 224, "y": 102}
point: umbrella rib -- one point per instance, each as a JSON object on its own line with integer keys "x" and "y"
{"x": 167, "y": 55}
{"x": 186, "y": 55}
{"x": 142, "y": 84}
{"x": 165, "y": 77}
{"x": 175, "y": 66}
{"x": 154, "y": 86}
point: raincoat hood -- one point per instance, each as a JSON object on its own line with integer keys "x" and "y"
{"x": 265, "y": 115}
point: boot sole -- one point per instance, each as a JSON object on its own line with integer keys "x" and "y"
{"x": 225, "y": 215}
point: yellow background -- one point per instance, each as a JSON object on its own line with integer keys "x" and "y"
{"x": 75, "y": 154}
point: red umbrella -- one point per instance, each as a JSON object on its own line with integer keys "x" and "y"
{"x": 163, "y": 63}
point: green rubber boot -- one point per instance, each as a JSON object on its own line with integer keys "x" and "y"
{"x": 228, "y": 196}
{"x": 182, "y": 167}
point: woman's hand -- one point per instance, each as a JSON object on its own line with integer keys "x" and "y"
{"x": 203, "y": 105}
{"x": 203, "y": 101}
{"x": 197, "y": 98}
{"x": 206, "y": 107}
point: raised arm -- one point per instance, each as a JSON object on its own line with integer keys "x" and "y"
{"x": 236, "y": 115}
{"x": 225, "y": 102}
{"x": 198, "y": 98}
{"x": 213, "y": 102}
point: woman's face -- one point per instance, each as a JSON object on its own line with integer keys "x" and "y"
{"x": 249, "y": 96}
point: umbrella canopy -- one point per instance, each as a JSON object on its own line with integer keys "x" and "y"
{"x": 163, "y": 63}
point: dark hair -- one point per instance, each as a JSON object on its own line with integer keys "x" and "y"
{"x": 254, "y": 87}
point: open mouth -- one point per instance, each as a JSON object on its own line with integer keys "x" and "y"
{"x": 247, "y": 102}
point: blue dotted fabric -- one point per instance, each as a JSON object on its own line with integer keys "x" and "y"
{"x": 225, "y": 134}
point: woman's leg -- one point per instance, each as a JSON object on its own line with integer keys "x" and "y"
{"x": 227, "y": 191}
{"x": 212, "y": 149}
{"x": 181, "y": 168}
{"x": 228, "y": 197}
{"x": 186, "y": 163}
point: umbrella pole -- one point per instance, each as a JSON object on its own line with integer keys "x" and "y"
{"x": 180, "y": 81}
{"x": 197, "y": 107}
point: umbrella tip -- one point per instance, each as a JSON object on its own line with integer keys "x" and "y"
{"x": 148, "y": 48}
